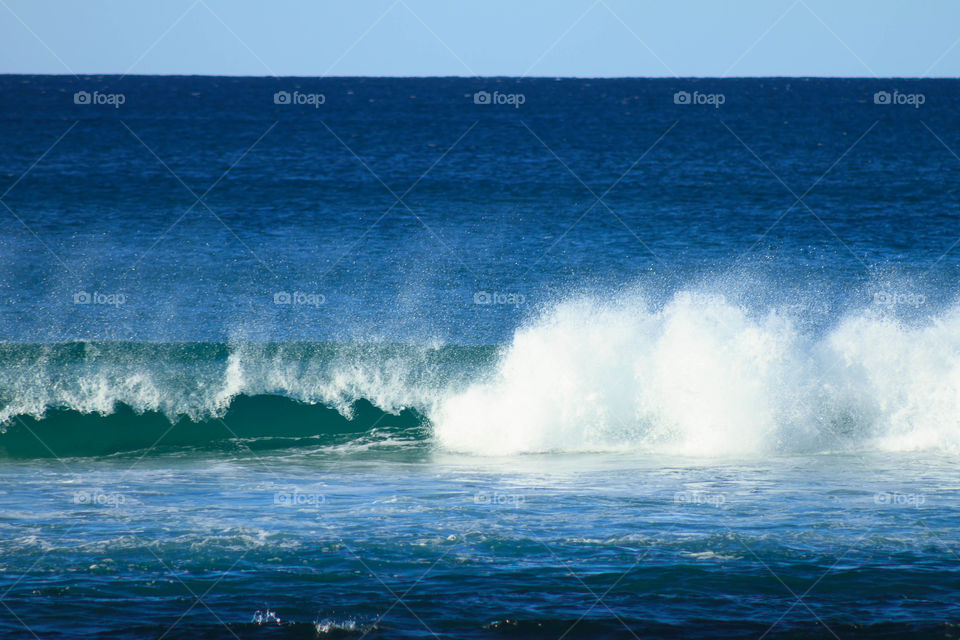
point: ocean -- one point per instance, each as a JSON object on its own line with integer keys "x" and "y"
{"x": 479, "y": 358}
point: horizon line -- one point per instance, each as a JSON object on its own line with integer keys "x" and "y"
{"x": 471, "y": 77}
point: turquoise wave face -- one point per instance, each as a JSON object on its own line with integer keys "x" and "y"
{"x": 90, "y": 399}
{"x": 254, "y": 422}
{"x": 700, "y": 375}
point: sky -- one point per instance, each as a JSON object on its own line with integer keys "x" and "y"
{"x": 582, "y": 38}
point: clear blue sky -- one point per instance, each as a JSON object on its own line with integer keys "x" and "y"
{"x": 483, "y": 37}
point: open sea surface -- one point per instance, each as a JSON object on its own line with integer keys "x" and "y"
{"x": 479, "y": 358}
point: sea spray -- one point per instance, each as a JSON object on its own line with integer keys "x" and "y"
{"x": 701, "y": 376}
{"x": 200, "y": 381}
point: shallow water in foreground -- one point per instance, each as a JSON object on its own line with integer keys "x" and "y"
{"x": 390, "y": 538}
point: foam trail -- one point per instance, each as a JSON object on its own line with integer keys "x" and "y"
{"x": 703, "y": 377}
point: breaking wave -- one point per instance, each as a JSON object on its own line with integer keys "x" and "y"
{"x": 701, "y": 376}
{"x": 697, "y": 376}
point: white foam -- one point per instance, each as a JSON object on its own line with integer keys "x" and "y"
{"x": 698, "y": 376}
{"x": 704, "y": 377}
{"x": 336, "y": 375}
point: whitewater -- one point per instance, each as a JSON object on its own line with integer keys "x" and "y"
{"x": 698, "y": 375}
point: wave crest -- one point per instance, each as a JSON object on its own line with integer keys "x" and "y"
{"x": 696, "y": 376}
{"x": 700, "y": 376}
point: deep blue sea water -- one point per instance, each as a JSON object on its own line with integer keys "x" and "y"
{"x": 479, "y": 358}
